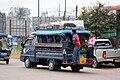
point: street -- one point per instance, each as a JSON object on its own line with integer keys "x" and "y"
{"x": 16, "y": 71}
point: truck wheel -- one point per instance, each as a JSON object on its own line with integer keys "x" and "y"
{"x": 51, "y": 65}
{"x": 95, "y": 64}
{"x": 117, "y": 64}
{"x": 75, "y": 68}
{"x": 7, "y": 61}
{"x": 27, "y": 62}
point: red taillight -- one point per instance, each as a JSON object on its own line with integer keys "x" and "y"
{"x": 104, "y": 54}
{"x": 87, "y": 62}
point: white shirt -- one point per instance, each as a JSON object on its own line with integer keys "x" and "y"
{"x": 91, "y": 42}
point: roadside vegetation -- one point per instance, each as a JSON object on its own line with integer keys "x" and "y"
{"x": 100, "y": 19}
{"x": 15, "y": 52}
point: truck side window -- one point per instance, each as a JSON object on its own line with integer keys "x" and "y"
{"x": 50, "y": 39}
{"x": 29, "y": 42}
{"x": 57, "y": 39}
{"x": 42, "y": 39}
{"x": 63, "y": 38}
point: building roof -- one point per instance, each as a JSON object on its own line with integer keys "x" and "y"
{"x": 115, "y": 7}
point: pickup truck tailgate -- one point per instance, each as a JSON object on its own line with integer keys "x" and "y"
{"x": 109, "y": 53}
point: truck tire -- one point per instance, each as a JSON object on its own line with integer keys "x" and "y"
{"x": 51, "y": 65}
{"x": 76, "y": 68}
{"x": 95, "y": 63}
{"x": 7, "y": 61}
{"x": 117, "y": 64}
{"x": 27, "y": 62}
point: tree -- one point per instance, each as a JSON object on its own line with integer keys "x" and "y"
{"x": 98, "y": 19}
{"x": 118, "y": 22}
{"x": 20, "y": 13}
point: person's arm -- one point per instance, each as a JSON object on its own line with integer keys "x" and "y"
{"x": 92, "y": 42}
{"x": 73, "y": 39}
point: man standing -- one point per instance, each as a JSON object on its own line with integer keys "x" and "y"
{"x": 76, "y": 42}
{"x": 91, "y": 44}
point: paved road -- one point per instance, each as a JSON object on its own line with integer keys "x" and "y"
{"x": 16, "y": 71}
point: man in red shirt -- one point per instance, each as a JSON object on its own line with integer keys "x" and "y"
{"x": 76, "y": 42}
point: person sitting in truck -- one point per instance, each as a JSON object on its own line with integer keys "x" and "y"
{"x": 77, "y": 44}
{"x": 58, "y": 39}
{"x": 91, "y": 44}
{"x": 49, "y": 40}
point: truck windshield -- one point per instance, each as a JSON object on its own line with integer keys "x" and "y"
{"x": 3, "y": 43}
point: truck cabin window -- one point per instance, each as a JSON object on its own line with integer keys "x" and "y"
{"x": 29, "y": 42}
{"x": 49, "y": 39}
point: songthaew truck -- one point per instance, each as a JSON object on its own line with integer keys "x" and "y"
{"x": 53, "y": 48}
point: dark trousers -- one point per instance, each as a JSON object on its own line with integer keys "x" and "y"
{"x": 90, "y": 53}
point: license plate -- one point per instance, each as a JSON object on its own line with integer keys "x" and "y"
{"x": 117, "y": 60}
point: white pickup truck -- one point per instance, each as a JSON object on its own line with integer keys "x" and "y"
{"x": 104, "y": 53}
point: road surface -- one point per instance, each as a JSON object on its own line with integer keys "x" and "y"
{"x": 16, "y": 71}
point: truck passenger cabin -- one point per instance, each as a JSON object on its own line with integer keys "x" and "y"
{"x": 53, "y": 48}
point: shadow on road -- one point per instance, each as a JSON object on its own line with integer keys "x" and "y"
{"x": 104, "y": 66}
{"x": 3, "y": 64}
{"x": 65, "y": 70}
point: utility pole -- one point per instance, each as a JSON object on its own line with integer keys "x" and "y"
{"x": 10, "y": 26}
{"x": 65, "y": 12}
{"x": 38, "y": 13}
{"x": 76, "y": 11}
{"x": 59, "y": 10}
{"x": 25, "y": 28}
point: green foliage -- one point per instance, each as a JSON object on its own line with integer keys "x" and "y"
{"x": 98, "y": 19}
{"x": 15, "y": 52}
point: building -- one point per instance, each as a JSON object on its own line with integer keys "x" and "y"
{"x": 17, "y": 28}
{"x": 2, "y": 23}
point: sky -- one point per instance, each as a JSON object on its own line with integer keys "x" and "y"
{"x": 52, "y": 6}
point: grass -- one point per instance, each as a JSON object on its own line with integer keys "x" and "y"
{"x": 15, "y": 52}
